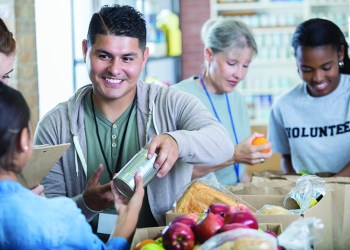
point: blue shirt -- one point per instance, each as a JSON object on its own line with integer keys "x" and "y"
{"x": 29, "y": 221}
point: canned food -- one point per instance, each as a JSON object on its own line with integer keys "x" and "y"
{"x": 124, "y": 181}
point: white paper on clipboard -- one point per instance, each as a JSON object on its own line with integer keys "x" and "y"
{"x": 41, "y": 162}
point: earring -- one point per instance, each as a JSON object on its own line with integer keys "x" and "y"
{"x": 341, "y": 63}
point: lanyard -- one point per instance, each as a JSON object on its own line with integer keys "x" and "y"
{"x": 236, "y": 164}
{"x": 119, "y": 161}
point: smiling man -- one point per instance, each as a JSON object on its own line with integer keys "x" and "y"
{"x": 111, "y": 119}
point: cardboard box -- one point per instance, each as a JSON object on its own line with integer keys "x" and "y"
{"x": 150, "y": 232}
{"x": 339, "y": 187}
{"x": 322, "y": 210}
{"x": 341, "y": 215}
{"x": 256, "y": 189}
{"x": 144, "y": 233}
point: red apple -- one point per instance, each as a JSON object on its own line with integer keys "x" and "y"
{"x": 244, "y": 217}
{"x": 189, "y": 219}
{"x": 241, "y": 207}
{"x": 186, "y": 220}
{"x": 208, "y": 226}
{"x": 178, "y": 236}
{"x": 231, "y": 226}
{"x": 219, "y": 208}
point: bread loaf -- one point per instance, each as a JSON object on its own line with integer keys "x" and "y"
{"x": 199, "y": 196}
{"x": 246, "y": 243}
{"x": 272, "y": 209}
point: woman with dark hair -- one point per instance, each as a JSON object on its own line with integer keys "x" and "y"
{"x": 310, "y": 125}
{"x": 7, "y": 59}
{"x": 29, "y": 221}
{"x": 7, "y": 52}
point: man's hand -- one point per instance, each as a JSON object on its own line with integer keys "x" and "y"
{"x": 98, "y": 197}
{"x": 168, "y": 152}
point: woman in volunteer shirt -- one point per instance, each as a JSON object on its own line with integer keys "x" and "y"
{"x": 229, "y": 48}
{"x": 310, "y": 125}
{"x": 29, "y": 221}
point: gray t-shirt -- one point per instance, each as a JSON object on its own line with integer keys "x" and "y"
{"x": 315, "y": 131}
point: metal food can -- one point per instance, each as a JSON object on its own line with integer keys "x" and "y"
{"x": 124, "y": 181}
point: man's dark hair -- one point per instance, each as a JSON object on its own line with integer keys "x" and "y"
{"x": 118, "y": 20}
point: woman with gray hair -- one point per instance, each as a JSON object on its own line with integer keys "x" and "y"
{"x": 229, "y": 48}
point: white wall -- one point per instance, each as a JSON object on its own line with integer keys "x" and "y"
{"x": 58, "y": 46}
{"x": 54, "y": 46}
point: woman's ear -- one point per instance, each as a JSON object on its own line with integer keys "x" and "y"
{"x": 208, "y": 54}
{"x": 341, "y": 53}
{"x": 24, "y": 140}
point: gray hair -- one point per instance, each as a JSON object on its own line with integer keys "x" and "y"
{"x": 227, "y": 33}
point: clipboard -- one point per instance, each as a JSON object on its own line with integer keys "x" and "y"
{"x": 41, "y": 162}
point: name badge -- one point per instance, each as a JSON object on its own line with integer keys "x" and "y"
{"x": 106, "y": 222}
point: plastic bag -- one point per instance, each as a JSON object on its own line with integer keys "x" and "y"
{"x": 273, "y": 209}
{"x": 241, "y": 238}
{"x": 301, "y": 234}
{"x": 308, "y": 190}
{"x": 200, "y": 193}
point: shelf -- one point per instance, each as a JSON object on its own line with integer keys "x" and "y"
{"x": 274, "y": 71}
{"x": 273, "y": 62}
{"x": 329, "y": 4}
{"x": 273, "y": 29}
{"x": 260, "y": 122}
{"x": 269, "y": 91}
{"x": 259, "y": 6}
{"x": 154, "y": 58}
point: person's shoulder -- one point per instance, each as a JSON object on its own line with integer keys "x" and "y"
{"x": 293, "y": 92}
{"x": 345, "y": 79}
{"x": 164, "y": 93}
{"x": 236, "y": 93}
{"x": 186, "y": 83}
{"x": 288, "y": 97}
